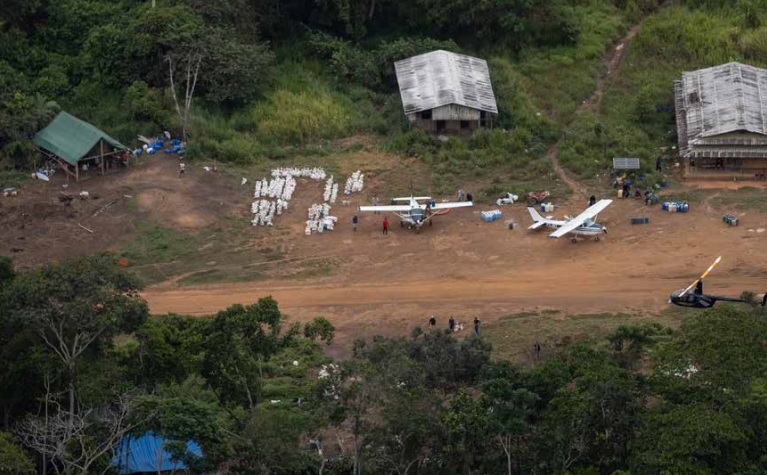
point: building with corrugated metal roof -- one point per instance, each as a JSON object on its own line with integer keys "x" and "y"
{"x": 446, "y": 92}
{"x": 720, "y": 117}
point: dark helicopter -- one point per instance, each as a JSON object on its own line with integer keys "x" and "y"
{"x": 697, "y": 299}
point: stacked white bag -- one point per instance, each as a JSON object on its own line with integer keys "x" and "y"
{"x": 334, "y": 193}
{"x": 354, "y": 183}
{"x": 273, "y": 196}
{"x": 319, "y": 219}
{"x": 279, "y": 191}
{"x": 328, "y": 189}
{"x": 264, "y": 212}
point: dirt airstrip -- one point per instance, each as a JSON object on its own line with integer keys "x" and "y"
{"x": 375, "y": 284}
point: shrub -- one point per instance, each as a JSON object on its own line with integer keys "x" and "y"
{"x": 291, "y": 117}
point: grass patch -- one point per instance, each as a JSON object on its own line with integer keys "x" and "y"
{"x": 513, "y": 335}
{"x": 743, "y": 199}
{"x": 299, "y": 116}
{"x": 154, "y": 246}
{"x": 211, "y": 276}
{"x": 13, "y": 179}
{"x": 559, "y": 79}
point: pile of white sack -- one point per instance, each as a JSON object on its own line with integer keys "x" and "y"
{"x": 272, "y": 196}
{"x": 263, "y": 211}
{"x": 331, "y": 191}
{"x": 319, "y": 219}
{"x": 354, "y": 183}
{"x": 313, "y": 173}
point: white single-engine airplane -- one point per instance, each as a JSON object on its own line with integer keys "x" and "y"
{"x": 416, "y": 214}
{"x": 582, "y": 225}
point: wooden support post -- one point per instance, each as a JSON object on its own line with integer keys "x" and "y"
{"x": 101, "y": 143}
{"x": 77, "y": 171}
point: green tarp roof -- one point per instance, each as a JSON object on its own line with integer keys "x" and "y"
{"x": 71, "y": 138}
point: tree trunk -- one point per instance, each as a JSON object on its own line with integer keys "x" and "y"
{"x": 505, "y": 442}
{"x": 71, "y": 371}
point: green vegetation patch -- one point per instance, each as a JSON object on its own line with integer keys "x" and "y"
{"x": 743, "y": 199}
{"x": 513, "y": 335}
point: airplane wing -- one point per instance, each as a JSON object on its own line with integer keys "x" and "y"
{"x": 393, "y": 208}
{"x": 581, "y": 218}
{"x": 417, "y": 198}
{"x": 458, "y": 204}
{"x": 539, "y": 220}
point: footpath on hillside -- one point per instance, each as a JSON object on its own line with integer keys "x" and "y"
{"x": 612, "y": 61}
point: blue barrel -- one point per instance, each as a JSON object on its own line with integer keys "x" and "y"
{"x": 664, "y": 206}
{"x": 151, "y": 151}
{"x": 167, "y": 151}
{"x": 138, "y": 151}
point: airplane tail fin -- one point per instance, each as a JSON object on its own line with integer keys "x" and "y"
{"x": 534, "y": 214}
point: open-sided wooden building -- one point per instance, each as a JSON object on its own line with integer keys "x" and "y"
{"x": 721, "y": 118}
{"x": 446, "y": 92}
{"x": 77, "y": 146}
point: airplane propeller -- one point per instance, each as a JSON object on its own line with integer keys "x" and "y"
{"x": 703, "y": 276}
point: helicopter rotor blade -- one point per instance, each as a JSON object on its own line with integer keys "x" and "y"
{"x": 703, "y": 276}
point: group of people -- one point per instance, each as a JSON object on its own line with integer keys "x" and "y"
{"x": 461, "y": 195}
{"x": 455, "y": 326}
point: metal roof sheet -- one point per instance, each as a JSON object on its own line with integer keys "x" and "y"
{"x": 440, "y": 77}
{"x": 625, "y": 163}
{"x": 722, "y": 99}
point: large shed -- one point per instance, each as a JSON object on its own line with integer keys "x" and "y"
{"x": 446, "y": 92}
{"x": 720, "y": 117}
{"x": 76, "y": 145}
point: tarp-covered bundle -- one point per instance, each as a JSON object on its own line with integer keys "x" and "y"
{"x": 71, "y": 138}
{"x": 147, "y": 454}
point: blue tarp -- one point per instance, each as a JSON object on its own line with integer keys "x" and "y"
{"x": 145, "y": 453}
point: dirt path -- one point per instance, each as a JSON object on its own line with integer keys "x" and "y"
{"x": 612, "y": 62}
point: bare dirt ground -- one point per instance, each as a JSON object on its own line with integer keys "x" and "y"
{"x": 367, "y": 283}
{"x": 36, "y": 226}
{"x": 466, "y": 267}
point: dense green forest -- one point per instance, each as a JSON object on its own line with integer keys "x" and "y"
{"x": 81, "y": 364}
